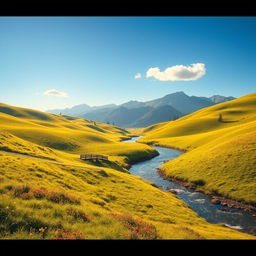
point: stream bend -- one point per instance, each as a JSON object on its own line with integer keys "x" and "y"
{"x": 200, "y": 203}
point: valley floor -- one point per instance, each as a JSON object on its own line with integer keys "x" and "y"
{"x": 47, "y": 192}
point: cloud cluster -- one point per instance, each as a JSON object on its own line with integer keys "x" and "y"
{"x": 138, "y": 76}
{"x": 178, "y": 72}
{"x": 56, "y": 93}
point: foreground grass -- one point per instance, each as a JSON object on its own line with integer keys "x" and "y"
{"x": 221, "y": 153}
{"x": 43, "y": 200}
{"x": 47, "y": 192}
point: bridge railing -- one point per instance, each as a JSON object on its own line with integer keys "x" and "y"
{"x": 93, "y": 157}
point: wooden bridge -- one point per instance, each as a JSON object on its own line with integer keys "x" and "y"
{"x": 93, "y": 157}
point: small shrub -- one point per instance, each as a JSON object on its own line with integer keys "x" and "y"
{"x": 103, "y": 173}
{"x": 61, "y": 234}
{"x": 24, "y": 192}
{"x": 25, "y": 196}
{"x": 199, "y": 182}
{"x": 58, "y": 197}
{"x": 79, "y": 215}
{"x": 20, "y": 190}
{"x": 8, "y": 187}
{"x": 220, "y": 118}
{"x": 43, "y": 231}
{"x": 101, "y": 203}
{"x": 39, "y": 194}
{"x": 12, "y": 221}
{"x": 216, "y": 192}
{"x": 138, "y": 228}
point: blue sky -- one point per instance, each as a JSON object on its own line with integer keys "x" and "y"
{"x": 58, "y": 62}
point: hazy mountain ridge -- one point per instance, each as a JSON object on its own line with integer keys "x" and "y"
{"x": 181, "y": 102}
{"x": 140, "y": 114}
{"x": 218, "y": 98}
{"x": 81, "y": 109}
{"x": 157, "y": 115}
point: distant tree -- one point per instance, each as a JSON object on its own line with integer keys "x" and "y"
{"x": 107, "y": 122}
{"x": 60, "y": 113}
{"x": 220, "y": 118}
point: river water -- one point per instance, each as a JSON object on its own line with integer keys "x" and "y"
{"x": 200, "y": 203}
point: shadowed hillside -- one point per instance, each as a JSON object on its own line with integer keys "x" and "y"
{"x": 220, "y": 142}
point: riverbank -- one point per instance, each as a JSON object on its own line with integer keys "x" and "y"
{"x": 154, "y": 143}
{"x": 214, "y": 197}
{"x": 198, "y": 202}
{"x": 140, "y": 157}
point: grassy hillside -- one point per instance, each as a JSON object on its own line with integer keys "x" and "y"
{"x": 47, "y": 192}
{"x": 68, "y": 136}
{"x": 220, "y": 151}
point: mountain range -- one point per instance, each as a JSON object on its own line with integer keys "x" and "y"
{"x": 140, "y": 114}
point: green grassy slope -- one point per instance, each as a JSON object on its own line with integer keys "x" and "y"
{"x": 222, "y": 153}
{"x": 69, "y": 136}
{"x": 47, "y": 192}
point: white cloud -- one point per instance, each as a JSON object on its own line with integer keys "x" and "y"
{"x": 178, "y": 72}
{"x": 138, "y": 76}
{"x": 56, "y": 93}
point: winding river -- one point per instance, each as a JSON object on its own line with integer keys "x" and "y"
{"x": 200, "y": 203}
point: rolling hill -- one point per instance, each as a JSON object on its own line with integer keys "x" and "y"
{"x": 47, "y": 192}
{"x": 220, "y": 145}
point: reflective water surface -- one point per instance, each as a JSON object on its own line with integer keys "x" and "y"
{"x": 200, "y": 203}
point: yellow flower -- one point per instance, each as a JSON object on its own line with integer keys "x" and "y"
{"x": 41, "y": 229}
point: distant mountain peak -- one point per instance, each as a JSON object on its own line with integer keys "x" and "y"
{"x": 180, "y": 93}
{"x": 132, "y": 104}
{"x": 219, "y": 98}
{"x": 135, "y": 113}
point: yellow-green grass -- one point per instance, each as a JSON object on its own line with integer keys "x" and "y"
{"x": 100, "y": 193}
{"x": 40, "y": 151}
{"x": 221, "y": 153}
{"x": 64, "y": 138}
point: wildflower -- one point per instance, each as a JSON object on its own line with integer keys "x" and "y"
{"x": 42, "y": 229}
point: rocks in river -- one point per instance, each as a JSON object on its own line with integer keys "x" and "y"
{"x": 223, "y": 202}
{"x": 225, "y": 209}
{"x": 200, "y": 201}
{"x": 174, "y": 191}
{"x": 231, "y": 205}
{"x": 234, "y": 227}
{"x": 215, "y": 200}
